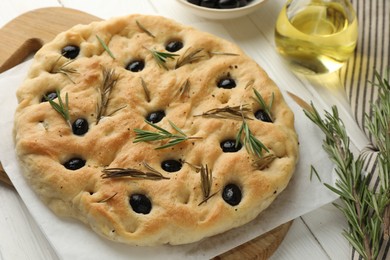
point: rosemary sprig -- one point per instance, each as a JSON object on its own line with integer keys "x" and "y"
{"x": 105, "y": 47}
{"x": 365, "y": 208}
{"x": 228, "y": 112}
{"x": 253, "y": 145}
{"x": 162, "y": 134}
{"x": 150, "y": 174}
{"x": 184, "y": 88}
{"x": 108, "y": 83}
{"x": 162, "y": 57}
{"x": 61, "y": 107}
{"x": 189, "y": 57}
{"x": 144, "y": 29}
{"x": 146, "y": 90}
{"x": 206, "y": 179}
{"x": 266, "y": 108}
{"x": 64, "y": 69}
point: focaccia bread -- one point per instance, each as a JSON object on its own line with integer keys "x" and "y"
{"x": 152, "y": 132}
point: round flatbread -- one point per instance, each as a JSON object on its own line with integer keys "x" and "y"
{"x": 152, "y": 132}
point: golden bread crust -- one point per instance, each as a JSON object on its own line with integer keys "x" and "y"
{"x": 44, "y": 141}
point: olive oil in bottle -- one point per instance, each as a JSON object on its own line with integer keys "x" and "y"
{"x": 316, "y": 36}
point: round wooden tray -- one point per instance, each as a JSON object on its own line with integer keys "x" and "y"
{"x": 24, "y": 36}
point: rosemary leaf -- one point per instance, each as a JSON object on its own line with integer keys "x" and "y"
{"x": 209, "y": 197}
{"x": 116, "y": 110}
{"x": 162, "y": 134}
{"x": 146, "y": 90}
{"x": 189, "y": 57}
{"x": 314, "y": 171}
{"x": 144, "y": 29}
{"x": 108, "y": 198}
{"x": 60, "y": 107}
{"x": 105, "y": 47}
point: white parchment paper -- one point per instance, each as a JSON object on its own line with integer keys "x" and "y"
{"x": 74, "y": 240}
{"x": 71, "y": 239}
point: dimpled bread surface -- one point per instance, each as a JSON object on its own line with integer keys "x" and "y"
{"x": 172, "y": 208}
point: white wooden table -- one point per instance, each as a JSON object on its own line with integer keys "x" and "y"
{"x": 316, "y": 235}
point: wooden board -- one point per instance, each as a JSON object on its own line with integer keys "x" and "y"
{"x": 27, "y": 33}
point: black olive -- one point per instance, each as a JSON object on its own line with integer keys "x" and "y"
{"x": 140, "y": 203}
{"x": 221, "y": 4}
{"x": 49, "y": 96}
{"x": 136, "y": 65}
{"x": 228, "y": 4}
{"x": 263, "y": 116}
{"x": 171, "y": 165}
{"x": 242, "y": 3}
{"x": 70, "y": 51}
{"x": 229, "y": 146}
{"x": 209, "y": 3}
{"x": 195, "y": 2}
{"x": 232, "y": 194}
{"x": 80, "y": 126}
{"x": 174, "y": 46}
{"x": 156, "y": 116}
{"x": 227, "y": 83}
{"x": 74, "y": 164}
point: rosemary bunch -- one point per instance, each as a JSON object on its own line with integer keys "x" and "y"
{"x": 364, "y": 207}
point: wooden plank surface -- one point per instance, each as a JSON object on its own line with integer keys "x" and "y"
{"x": 20, "y": 238}
{"x": 28, "y": 32}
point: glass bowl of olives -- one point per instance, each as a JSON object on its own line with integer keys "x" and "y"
{"x": 221, "y": 9}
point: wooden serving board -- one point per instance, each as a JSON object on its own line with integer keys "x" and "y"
{"x": 27, "y": 33}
